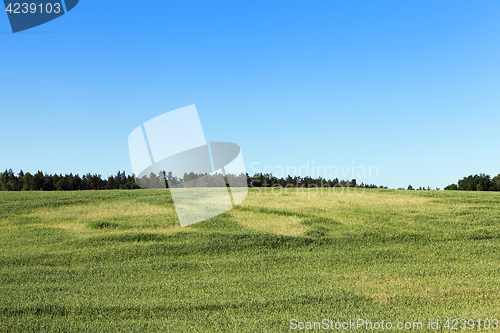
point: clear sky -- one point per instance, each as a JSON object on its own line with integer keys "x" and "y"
{"x": 409, "y": 87}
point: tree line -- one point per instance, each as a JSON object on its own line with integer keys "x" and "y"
{"x": 268, "y": 180}
{"x": 410, "y": 188}
{"x": 40, "y": 181}
{"x": 47, "y": 182}
{"x": 481, "y": 182}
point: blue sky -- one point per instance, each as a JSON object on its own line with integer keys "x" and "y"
{"x": 409, "y": 87}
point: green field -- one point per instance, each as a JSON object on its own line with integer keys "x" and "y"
{"x": 118, "y": 261}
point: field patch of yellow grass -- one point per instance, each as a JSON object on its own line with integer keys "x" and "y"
{"x": 132, "y": 215}
{"x": 108, "y": 209}
{"x": 277, "y": 224}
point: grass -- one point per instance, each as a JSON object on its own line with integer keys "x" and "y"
{"x": 119, "y": 261}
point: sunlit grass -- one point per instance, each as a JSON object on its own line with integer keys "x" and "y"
{"x": 273, "y": 223}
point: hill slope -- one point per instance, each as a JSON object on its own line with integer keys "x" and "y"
{"x": 118, "y": 261}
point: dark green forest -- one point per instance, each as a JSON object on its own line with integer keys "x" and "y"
{"x": 481, "y": 182}
{"x": 40, "y": 181}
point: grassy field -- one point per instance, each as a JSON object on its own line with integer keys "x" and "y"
{"x": 118, "y": 261}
